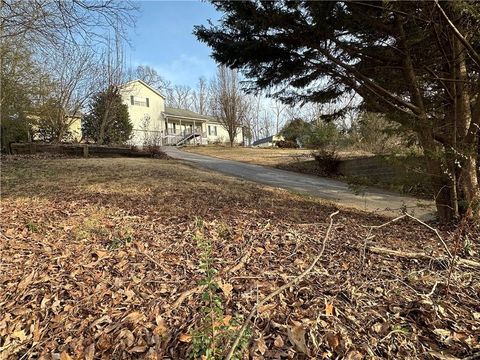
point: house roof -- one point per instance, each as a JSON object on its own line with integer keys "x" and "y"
{"x": 263, "y": 141}
{"x": 146, "y": 85}
{"x": 187, "y": 114}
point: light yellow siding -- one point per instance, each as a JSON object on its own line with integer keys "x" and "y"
{"x": 222, "y": 134}
{"x": 75, "y": 129}
{"x": 148, "y": 122}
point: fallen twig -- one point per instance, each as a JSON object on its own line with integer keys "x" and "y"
{"x": 420, "y": 255}
{"x": 280, "y": 290}
{"x": 472, "y": 357}
{"x": 434, "y": 230}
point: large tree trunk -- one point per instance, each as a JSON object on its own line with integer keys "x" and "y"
{"x": 467, "y": 182}
{"x": 105, "y": 119}
{"x": 443, "y": 186}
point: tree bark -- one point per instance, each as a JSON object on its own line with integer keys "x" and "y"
{"x": 467, "y": 182}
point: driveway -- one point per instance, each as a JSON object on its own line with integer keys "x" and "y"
{"x": 372, "y": 200}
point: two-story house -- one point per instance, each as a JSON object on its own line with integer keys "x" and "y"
{"x": 154, "y": 123}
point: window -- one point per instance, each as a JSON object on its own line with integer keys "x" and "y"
{"x": 212, "y": 130}
{"x": 139, "y": 101}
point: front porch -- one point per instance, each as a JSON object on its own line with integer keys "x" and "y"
{"x": 184, "y": 131}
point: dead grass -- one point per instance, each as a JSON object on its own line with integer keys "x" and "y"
{"x": 94, "y": 253}
{"x": 275, "y": 157}
{"x": 259, "y": 156}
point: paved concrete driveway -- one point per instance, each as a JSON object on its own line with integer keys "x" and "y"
{"x": 373, "y": 200}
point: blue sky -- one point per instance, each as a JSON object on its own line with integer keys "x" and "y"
{"x": 163, "y": 39}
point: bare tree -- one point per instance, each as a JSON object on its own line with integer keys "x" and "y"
{"x": 113, "y": 70}
{"x": 278, "y": 109}
{"x": 229, "y": 103}
{"x": 265, "y": 124}
{"x": 51, "y": 28}
{"x": 55, "y": 22}
{"x": 250, "y": 122}
{"x": 179, "y": 96}
{"x": 201, "y": 97}
{"x": 149, "y": 75}
{"x": 73, "y": 82}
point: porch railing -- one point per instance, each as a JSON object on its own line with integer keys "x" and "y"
{"x": 184, "y": 132}
{"x": 173, "y": 137}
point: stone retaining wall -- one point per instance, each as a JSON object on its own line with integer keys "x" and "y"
{"x": 405, "y": 173}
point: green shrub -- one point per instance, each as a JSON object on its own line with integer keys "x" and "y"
{"x": 322, "y": 135}
{"x": 14, "y": 130}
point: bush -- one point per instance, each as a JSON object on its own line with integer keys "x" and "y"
{"x": 155, "y": 151}
{"x": 328, "y": 161}
{"x": 287, "y": 144}
{"x": 296, "y": 130}
{"x": 322, "y": 135}
{"x": 13, "y": 130}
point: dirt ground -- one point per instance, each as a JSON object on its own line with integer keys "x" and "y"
{"x": 102, "y": 259}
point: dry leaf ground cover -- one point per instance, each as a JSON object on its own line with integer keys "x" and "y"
{"x": 97, "y": 257}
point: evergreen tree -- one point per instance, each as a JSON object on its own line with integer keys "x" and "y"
{"x": 297, "y": 130}
{"x": 108, "y": 121}
{"x": 416, "y": 61}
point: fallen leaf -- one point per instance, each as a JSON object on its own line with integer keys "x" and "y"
{"x": 133, "y": 317}
{"x": 353, "y": 355}
{"x": 278, "y": 342}
{"x": 296, "y": 335}
{"x": 185, "y": 338}
{"x": 227, "y": 289}
{"x": 333, "y": 340}
{"x": 20, "y": 335}
{"x": 329, "y": 309}
{"x": 90, "y": 352}
{"x": 227, "y": 319}
{"x": 128, "y": 336}
{"x": 264, "y": 308}
{"x": 26, "y": 281}
{"x": 138, "y": 349}
{"x": 64, "y": 356}
{"x": 261, "y": 346}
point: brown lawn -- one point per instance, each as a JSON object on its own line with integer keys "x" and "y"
{"x": 259, "y": 156}
{"x": 101, "y": 259}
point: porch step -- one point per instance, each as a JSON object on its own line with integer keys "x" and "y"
{"x": 187, "y": 138}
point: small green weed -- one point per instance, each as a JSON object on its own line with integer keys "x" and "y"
{"x": 117, "y": 243}
{"x": 32, "y": 227}
{"x": 215, "y": 330}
